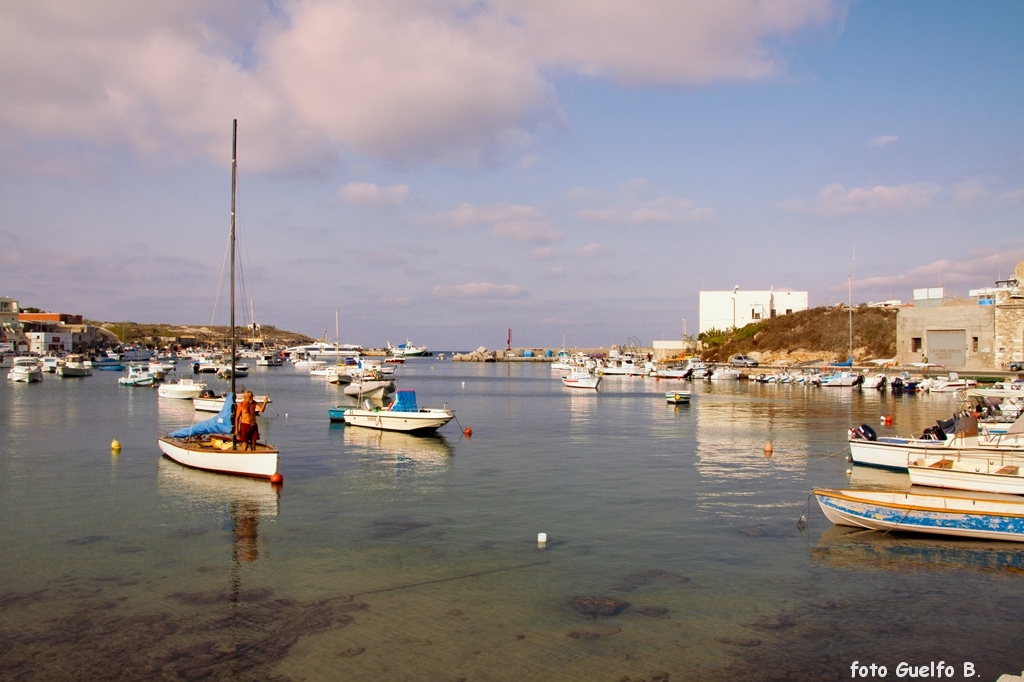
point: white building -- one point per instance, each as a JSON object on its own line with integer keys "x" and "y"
{"x": 737, "y": 308}
{"x": 49, "y": 342}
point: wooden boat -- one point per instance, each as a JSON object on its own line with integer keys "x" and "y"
{"x": 403, "y": 415}
{"x": 979, "y": 474}
{"x": 677, "y": 397}
{"x": 582, "y": 378}
{"x": 210, "y": 445}
{"x": 990, "y": 518}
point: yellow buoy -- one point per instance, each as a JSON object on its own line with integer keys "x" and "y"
{"x": 115, "y": 445}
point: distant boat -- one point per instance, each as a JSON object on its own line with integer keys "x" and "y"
{"x": 934, "y": 513}
{"x": 677, "y": 397}
{"x": 25, "y": 369}
{"x": 582, "y": 378}
{"x": 182, "y": 389}
{"x": 407, "y": 350}
{"x": 137, "y": 376}
{"x": 404, "y": 415}
{"x": 74, "y": 366}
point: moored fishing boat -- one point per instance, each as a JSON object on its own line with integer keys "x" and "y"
{"x": 582, "y": 378}
{"x": 938, "y": 513}
{"x": 403, "y": 415}
{"x": 137, "y": 375}
{"x": 74, "y": 366}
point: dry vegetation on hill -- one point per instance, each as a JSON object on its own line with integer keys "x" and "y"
{"x": 151, "y": 334}
{"x": 819, "y": 333}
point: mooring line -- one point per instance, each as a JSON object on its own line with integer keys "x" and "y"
{"x": 444, "y": 580}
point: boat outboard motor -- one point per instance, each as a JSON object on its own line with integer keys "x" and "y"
{"x": 688, "y": 374}
{"x": 897, "y": 385}
{"x": 881, "y": 383}
{"x": 866, "y": 432}
{"x": 858, "y": 380}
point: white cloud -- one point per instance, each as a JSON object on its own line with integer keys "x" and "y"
{"x": 837, "y": 201}
{"x": 370, "y": 194}
{"x": 1015, "y": 197}
{"x": 311, "y": 79}
{"x": 479, "y": 290}
{"x": 972, "y": 272}
{"x": 507, "y": 221}
{"x": 628, "y": 205}
{"x": 970, "y": 193}
{"x": 883, "y": 140}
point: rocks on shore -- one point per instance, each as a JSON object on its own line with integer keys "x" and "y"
{"x": 481, "y": 354}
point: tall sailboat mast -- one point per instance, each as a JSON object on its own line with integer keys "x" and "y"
{"x": 234, "y": 182}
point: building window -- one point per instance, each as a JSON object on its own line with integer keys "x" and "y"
{"x": 974, "y": 344}
{"x": 755, "y": 316}
{"x": 915, "y": 345}
{"x": 789, "y": 311}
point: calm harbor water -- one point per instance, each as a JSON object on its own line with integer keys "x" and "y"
{"x": 386, "y": 556}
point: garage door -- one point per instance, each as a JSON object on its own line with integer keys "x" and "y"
{"x": 947, "y": 347}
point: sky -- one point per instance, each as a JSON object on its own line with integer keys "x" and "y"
{"x": 442, "y": 171}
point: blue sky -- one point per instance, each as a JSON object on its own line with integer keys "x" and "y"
{"x": 445, "y": 170}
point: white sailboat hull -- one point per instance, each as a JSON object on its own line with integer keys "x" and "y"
{"x": 207, "y": 455}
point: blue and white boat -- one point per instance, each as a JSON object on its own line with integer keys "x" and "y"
{"x": 989, "y": 518}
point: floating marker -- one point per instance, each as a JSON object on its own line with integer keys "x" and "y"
{"x": 542, "y": 540}
{"x": 277, "y": 479}
{"x": 849, "y": 472}
{"x": 115, "y": 445}
{"x": 768, "y": 449}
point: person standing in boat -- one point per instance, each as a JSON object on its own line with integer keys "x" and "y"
{"x": 246, "y": 429}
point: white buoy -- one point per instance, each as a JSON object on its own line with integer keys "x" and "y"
{"x": 463, "y": 384}
{"x": 542, "y": 540}
{"x": 849, "y": 472}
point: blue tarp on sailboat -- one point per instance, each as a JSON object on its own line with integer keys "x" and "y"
{"x": 221, "y": 423}
{"x": 848, "y": 363}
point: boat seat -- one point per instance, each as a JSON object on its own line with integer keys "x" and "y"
{"x": 942, "y": 464}
{"x": 1009, "y": 470}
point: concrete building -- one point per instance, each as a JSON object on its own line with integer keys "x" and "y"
{"x": 737, "y": 308}
{"x": 983, "y": 331}
{"x": 43, "y": 343}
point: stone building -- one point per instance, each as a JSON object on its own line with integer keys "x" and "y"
{"x": 982, "y": 332}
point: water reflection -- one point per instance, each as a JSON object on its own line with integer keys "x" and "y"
{"x": 860, "y": 549}
{"x": 400, "y": 453}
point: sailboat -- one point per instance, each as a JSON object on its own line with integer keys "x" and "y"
{"x": 211, "y": 445}
{"x": 842, "y": 373}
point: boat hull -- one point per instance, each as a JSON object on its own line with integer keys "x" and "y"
{"x": 935, "y": 514}
{"x": 677, "y": 397}
{"x": 207, "y": 455}
{"x": 427, "y": 420}
{"x": 975, "y": 474}
{"x": 898, "y": 453}
{"x": 585, "y": 382}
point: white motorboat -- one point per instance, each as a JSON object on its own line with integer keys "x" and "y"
{"x": 137, "y": 376}
{"x": 622, "y": 365}
{"x": 375, "y": 389}
{"x": 954, "y": 439}
{"x": 49, "y": 364}
{"x": 582, "y": 378}
{"x": 979, "y": 474}
{"x": 74, "y": 366}
{"x": 25, "y": 369}
{"x": 689, "y": 369}
{"x": 841, "y": 379}
{"x": 182, "y": 389}
{"x": 241, "y": 370}
{"x": 722, "y": 373}
{"x": 403, "y": 415}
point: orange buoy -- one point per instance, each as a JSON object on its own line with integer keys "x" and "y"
{"x": 768, "y": 449}
{"x": 888, "y": 420}
{"x": 467, "y": 432}
{"x": 277, "y": 479}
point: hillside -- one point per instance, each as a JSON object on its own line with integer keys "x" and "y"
{"x": 151, "y": 334}
{"x": 815, "y": 334}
